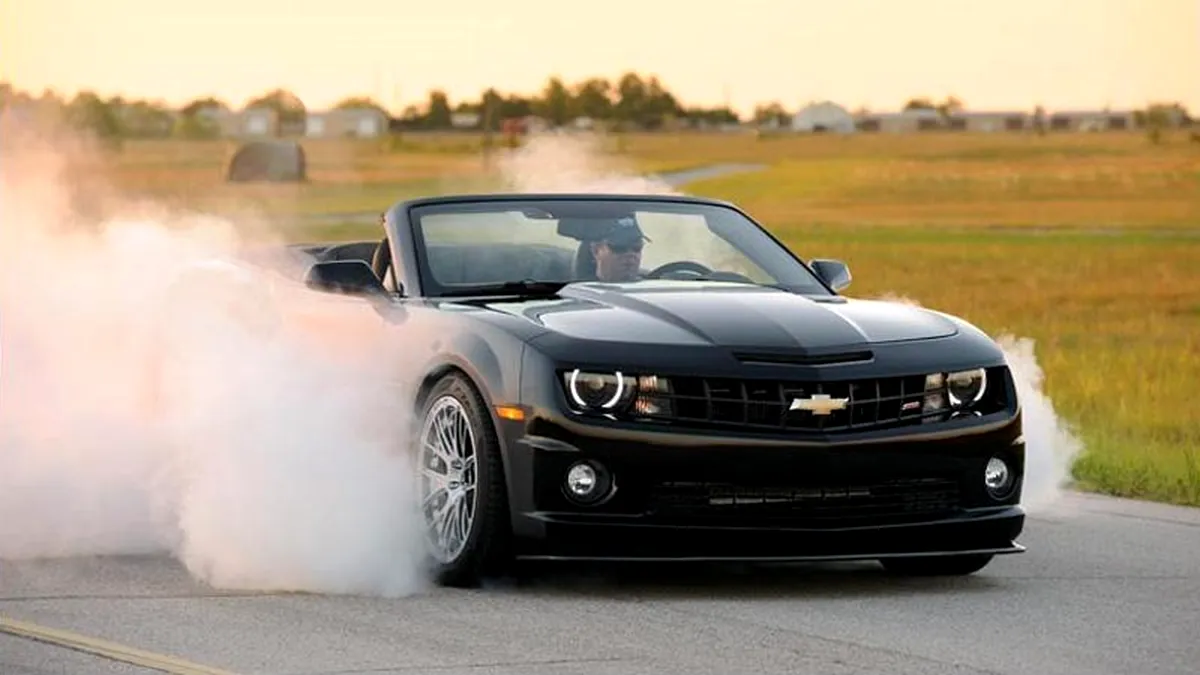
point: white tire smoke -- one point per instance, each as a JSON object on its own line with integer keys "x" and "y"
{"x": 159, "y": 396}
{"x": 1051, "y": 447}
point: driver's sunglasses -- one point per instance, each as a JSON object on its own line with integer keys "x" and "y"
{"x": 628, "y": 248}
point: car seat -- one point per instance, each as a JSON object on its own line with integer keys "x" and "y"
{"x": 584, "y": 267}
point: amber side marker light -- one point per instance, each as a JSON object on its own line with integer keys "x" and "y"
{"x": 510, "y": 412}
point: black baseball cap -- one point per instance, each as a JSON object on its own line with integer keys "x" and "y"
{"x": 625, "y": 232}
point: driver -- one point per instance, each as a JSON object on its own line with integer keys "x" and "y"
{"x": 618, "y": 253}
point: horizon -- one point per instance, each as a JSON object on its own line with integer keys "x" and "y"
{"x": 241, "y": 106}
{"x": 1064, "y": 55}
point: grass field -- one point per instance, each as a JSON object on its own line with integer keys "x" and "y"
{"x": 1087, "y": 243}
{"x": 343, "y": 176}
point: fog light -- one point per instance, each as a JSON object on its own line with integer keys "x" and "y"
{"x": 588, "y": 482}
{"x": 997, "y": 477}
{"x": 581, "y": 480}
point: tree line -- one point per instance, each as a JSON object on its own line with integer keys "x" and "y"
{"x": 632, "y": 101}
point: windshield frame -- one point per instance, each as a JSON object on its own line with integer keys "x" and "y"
{"x": 768, "y": 252}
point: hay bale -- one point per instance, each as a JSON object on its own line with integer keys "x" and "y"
{"x": 269, "y": 161}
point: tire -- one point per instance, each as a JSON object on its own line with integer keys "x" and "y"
{"x": 477, "y": 482}
{"x": 936, "y": 566}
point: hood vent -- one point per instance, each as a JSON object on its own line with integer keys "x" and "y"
{"x": 793, "y": 359}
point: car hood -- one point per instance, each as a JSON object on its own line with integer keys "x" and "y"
{"x": 733, "y": 315}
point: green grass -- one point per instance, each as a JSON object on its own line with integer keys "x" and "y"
{"x": 1126, "y": 193}
{"x": 343, "y": 176}
{"x": 1087, "y": 243}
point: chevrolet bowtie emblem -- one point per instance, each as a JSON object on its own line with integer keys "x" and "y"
{"x": 819, "y": 404}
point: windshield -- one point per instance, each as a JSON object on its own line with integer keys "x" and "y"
{"x": 490, "y": 243}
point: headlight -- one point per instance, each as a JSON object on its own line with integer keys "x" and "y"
{"x": 643, "y": 395}
{"x": 654, "y": 396}
{"x": 600, "y": 391}
{"x": 966, "y": 387}
{"x": 957, "y": 391}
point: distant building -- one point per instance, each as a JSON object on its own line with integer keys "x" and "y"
{"x": 527, "y": 124}
{"x": 990, "y": 121}
{"x": 905, "y": 121}
{"x": 346, "y": 122}
{"x": 465, "y": 120}
{"x": 251, "y": 122}
{"x": 1092, "y": 120}
{"x": 825, "y": 116}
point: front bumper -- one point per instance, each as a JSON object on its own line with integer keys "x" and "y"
{"x": 682, "y": 496}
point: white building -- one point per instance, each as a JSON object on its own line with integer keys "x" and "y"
{"x": 346, "y": 122}
{"x": 825, "y": 116}
{"x": 465, "y": 120}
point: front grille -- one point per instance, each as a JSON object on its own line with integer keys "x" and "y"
{"x": 886, "y": 499}
{"x": 767, "y": 404}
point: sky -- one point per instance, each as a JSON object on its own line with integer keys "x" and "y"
{"x": 998, "y": 54}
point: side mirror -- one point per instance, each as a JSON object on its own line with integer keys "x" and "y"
{"x": 349, "y": 277}
{"x": 833, "y": 272}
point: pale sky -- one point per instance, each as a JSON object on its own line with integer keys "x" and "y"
{"x": 1010, "y": 54}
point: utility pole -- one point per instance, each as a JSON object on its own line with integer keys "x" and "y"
{"x": 487, "y": 130}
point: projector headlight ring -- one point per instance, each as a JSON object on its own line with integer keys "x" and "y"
{"x": 966, "y": 387}
{"x": 600, "y": 391}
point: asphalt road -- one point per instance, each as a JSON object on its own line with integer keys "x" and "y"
{"x": 1107, "y": 586}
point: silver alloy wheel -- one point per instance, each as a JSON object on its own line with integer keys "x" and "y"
{"x": 447, "y": 478}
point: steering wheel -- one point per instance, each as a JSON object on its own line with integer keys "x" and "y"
{"x": 678, "y": 266}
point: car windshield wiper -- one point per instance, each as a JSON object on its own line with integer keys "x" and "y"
{"x": 527, "y": 287}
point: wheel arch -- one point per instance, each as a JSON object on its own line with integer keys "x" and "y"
{"x": 490, "y": 359}
{"x": 449, "y": 365}
{"x": 439, "y": 370}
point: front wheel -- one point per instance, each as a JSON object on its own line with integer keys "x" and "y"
{"x": 950, "y": 565}
{"x": 460, "y": 484}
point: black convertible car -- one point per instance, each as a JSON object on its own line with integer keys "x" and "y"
{"x": 631, "y": 377}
